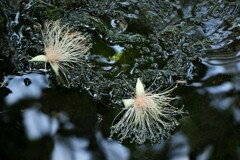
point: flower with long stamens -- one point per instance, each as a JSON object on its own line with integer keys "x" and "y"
{"x": 63, "y": 47}
{"x": 148, "y": 116}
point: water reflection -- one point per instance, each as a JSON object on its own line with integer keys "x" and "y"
{"x": 112, "y": 149}
{"x": 70, "y": 148}
{"x": 221, "y": 102}
{"x": 221, "y": 80}
{"x": 179, "y": 147}
{"x": 148, "y": 37}
{"x": 39, "y": 125}
{"x": 217, "y": 92}
{"x": 24, "y": 87}
{"x": 205, "y": 154}
{"x": 221, "y": 88}
{"x": 117, "y": 48}
{"x": 222, "y": 64}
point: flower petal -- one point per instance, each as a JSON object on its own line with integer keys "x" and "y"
{"x": 139, "y": 87}
{"x": 41, "y": 58}
{"x": 128, "y": 102}
{"x": 55, "y": 68}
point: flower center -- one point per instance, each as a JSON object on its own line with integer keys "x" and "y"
{"x": 52, "y": 54}
{"x": 142, "y": 101}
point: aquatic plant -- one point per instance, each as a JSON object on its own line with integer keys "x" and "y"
{"x": 148, "y": 116}
{"x": 63, "y": 47}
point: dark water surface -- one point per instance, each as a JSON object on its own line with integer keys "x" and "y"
{"x": 159, "y": 41}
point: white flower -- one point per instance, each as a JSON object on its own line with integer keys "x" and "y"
{"x": 148, "y": 116}
{"x": 63, "y": 47}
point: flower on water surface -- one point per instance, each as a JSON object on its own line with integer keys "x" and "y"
{"x": 148, "y": 116}
{"x": 63, "y": 47}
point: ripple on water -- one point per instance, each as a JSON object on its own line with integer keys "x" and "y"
{"x": 222, "y": 64}
{"x": 221, "y": 80}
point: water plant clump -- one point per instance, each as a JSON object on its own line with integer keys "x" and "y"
{"x": 148, "y": 116}
{"x": 63, "y": 47}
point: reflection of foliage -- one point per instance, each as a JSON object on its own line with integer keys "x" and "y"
{"x": 116, "y": 57}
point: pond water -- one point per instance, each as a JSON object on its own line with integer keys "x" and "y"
{"x": 160, "y": 42}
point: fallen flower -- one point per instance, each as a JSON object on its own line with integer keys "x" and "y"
{"x": 148, "y": 116}
{"x": 63, "y": 47}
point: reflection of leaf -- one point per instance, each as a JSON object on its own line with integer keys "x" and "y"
{"x": 116, "y": 57}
